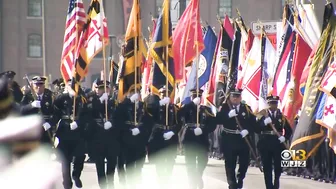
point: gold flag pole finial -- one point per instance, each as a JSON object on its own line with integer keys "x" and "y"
{"x": 219, "y": 20}
{"x": 238, "y": 13}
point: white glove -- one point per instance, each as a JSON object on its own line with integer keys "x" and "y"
{"x": 56, "y": 142}
{"x": 168, "y": 135}
{"x": 282, "y": 139}
{"x": 36, "y": 104}
{"x": 72, "y": 93}
{"x": 107, "y": 125}
{"x": 198, "y": 131}
{"x": 164, "y": 101}
{"x": 135, "y": 97}
{"x": 197, "y": 100}
{"x": 73, "y": 125}
{"x": 243, "y": 133}
{"x": 103, "y": 98}
{"x": 135, "y": 131}
{"x": 267, "y": 121}
{"x": 46, "y": 126}
{"x": 232, "y": 113}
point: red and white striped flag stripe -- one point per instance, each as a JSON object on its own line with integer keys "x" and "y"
{"x": 76, "y": 18}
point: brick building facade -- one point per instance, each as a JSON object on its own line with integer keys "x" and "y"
{"x": 21, "y": 43}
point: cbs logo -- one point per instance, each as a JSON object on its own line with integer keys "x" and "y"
{"x": 295, "y": 155}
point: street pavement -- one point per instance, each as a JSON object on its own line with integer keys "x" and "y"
{"x": 214, "y": 178}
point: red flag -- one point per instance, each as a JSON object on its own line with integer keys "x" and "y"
{"x": 293, "y": 99}
{"x": 306, "y": 70}
{"x": 228, "y": 27}
{"x": 187, "y": 38}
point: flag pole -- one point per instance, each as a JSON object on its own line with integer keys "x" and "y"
{"x": 167, "y": 59}
{"x": 104, "y": 75}
{"x": 197, "y": 82}
{"x": 135, "y": 75}
{"x": 43, "y": 41}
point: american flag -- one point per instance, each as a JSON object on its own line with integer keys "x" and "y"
{"x": 76, "y": 18}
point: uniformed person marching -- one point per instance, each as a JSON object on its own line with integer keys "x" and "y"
{"x": 13, "y": 85}
{"x": 233, "y": 144}
{"x": 270, "y": 144}
{"x": 40, "y": 101}
{"x": 195, "y": 138}
{"x": 69, "y": 131}
{"x": 105, "y": 134}
{"x": 134, "y": 135}
{"x": 163, "y": 142}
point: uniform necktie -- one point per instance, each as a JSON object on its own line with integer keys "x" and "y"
{"x": 39, "y": 98}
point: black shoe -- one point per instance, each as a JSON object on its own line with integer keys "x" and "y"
{"x": 78, "y": 182}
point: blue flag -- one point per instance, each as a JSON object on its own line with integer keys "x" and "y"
{"x": 204, "y": 66}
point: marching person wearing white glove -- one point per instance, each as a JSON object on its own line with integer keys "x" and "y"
{"x": 40, "y": 101}
{"x": 134, "y": 133}
{"x": 70, "y": 133}
{"x": 105, "y": 133}
{"x": 239, "y": 125}
{"x": 163, "y": 140}
{"x": 272, "y": 143}
{"x": 196, "y": 136}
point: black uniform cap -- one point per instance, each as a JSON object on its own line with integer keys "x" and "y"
{"x": 236, "y": 91}
{"x": 100, "y": 84}
{"x": 273, "y": 98}
{"x": 6, "y": 97}
{"x": 163, "y": 89}
{"x": 39, "y": 80}
{"x": 194, "y": 92}
{"x": 8, "y": 74}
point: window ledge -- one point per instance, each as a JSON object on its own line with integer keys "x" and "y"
{"x": 34, "y": 58}
{"x": 34, "y": 17}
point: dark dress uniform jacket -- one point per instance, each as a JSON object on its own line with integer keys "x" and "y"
{"x": 46, "y": 109}
{"x": 188, "y": 114}
{"x": 156, "y": 139}
{"x": 246, "y": 119}
{"x": 270, "y": 141}
{"x": 100, "y": 137}
{"x": 63, "y": 112}
{"x": 125, "y": 119}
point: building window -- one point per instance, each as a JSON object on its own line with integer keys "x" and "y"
{"x": 35, "y": 46}
{"x": 34, "y": 8}
{"x": 225, "y": 8}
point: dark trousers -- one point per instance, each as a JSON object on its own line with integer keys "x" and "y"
{"x": 121, "y": 161}
{"x": 164, "y": 159}
{"x": 106, "y": 177}
{"x": 135, "y": 159}
{"x": 230, "y": 158}
{"x": 271, "y": 158}
{"x": 71, "y": 149}
{"x": 196, "y": 157}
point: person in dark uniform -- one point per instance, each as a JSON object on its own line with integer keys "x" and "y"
{"x": 89, "y": 94}
{"x": 58, "y": 86}
{"x": 195, "y": 137}
{"x": 70, "y": 131}
{"x": 163, "y": 142}
{"x": 270, "y": 144}
{"x": 105, "y": 135}
{"x": 40, "y": 101}
{"x": 134, "y": 135}
{"x": 13, "y": 85}
{"x": 233, "y": 143}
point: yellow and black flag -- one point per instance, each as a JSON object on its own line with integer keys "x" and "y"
{"x": 92, "y": 40}
{"x": 134, "y": 50}
{"x": 161, "y": 51}
{"x": 308, "y": 134}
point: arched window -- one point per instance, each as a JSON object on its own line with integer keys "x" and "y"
{"x": 34, "y": 8}
{"x": 224, "y": 7}
{"x": 35, "y": 45}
